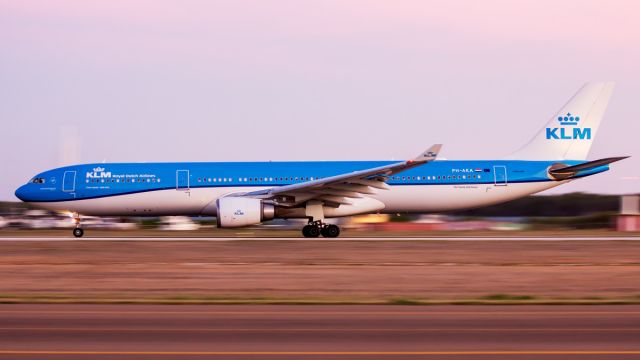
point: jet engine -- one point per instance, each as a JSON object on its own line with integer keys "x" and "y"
{"x": 241, "y": 211}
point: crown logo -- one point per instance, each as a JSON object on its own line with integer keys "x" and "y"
{"x": 569, "y": 119}
{"x": 98, "y": 169}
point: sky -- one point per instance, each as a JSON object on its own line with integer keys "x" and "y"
{"x": 145, "y": 81}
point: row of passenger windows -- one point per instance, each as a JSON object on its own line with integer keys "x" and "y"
{"x": 256, "y": 179}
{"x": 271, "y": 179}
{"x": 148, "y": 180}
{"x": 441, "y": 177}
{"x": 393, "y": 178}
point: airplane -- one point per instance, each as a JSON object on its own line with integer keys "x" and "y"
{"x": 248, "y": 193}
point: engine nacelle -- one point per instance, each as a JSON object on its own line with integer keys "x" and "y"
{"x": 241, "y": 211}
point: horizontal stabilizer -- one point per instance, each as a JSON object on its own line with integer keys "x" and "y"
{"x": 569, "y": 171}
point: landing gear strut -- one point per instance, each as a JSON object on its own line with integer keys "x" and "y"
{"x": 317, "y": 228}
{"x": 77, "y": 232}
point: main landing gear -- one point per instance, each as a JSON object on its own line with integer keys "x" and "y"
{"x": 77, "y": 232}
{"x": 315, "y": 213}
{"x": 317, "y": 228}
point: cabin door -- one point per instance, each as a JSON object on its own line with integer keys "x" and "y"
{"x": 500, "y": 175}
{"x": 182, "y": 180}
{"x": 69, "y": 181}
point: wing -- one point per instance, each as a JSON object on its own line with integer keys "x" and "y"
{"x": 336, "y": 190}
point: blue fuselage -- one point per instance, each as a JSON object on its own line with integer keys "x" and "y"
{"x": 91, "y": 181}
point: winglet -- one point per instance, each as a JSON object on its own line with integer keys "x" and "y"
{"x": 430, "y": 154}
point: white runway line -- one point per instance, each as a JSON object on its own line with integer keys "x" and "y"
{"x": 391, "y": 238}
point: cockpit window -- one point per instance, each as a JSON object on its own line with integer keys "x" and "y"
{"x": 37, "y": 180}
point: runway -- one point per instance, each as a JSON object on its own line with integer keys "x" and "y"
{"x": 318, "y": 332}
{"x": 365, "y": 239}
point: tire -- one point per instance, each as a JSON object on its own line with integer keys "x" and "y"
{"x": 313, "y": 231}
{"x": 78, "y": 232}
{"x": 306, "y": 231}
{"x": 332, "y": 231}
{"x": 323, "y": 232}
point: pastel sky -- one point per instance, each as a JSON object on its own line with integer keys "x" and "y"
{"x": 307, "y": 80}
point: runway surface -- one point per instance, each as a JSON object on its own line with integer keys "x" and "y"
{"x": 318, "y": 332}
{"x": 381, "y": 238}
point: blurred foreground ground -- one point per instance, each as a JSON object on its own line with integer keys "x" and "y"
{"x": 64, "y": 331}
{"x": 341, "y": 271}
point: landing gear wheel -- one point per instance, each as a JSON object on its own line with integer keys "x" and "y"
{"x": 78, "y": 232}
{"x": 323, "y": 232}
{"x": 331, "y": 231}
{"x": 310, "y": 231}
{"x": 313, "y": 231}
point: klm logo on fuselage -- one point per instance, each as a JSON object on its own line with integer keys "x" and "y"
{"x": 98, "y": 173}
{"x": 569, "y": 129}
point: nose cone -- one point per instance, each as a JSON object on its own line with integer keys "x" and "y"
{"x": 22, "y": 193}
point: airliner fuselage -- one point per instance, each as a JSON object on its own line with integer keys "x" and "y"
{"x": 193, "y": 188}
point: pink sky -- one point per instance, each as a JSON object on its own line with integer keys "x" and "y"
{"x": 216, "y": 81}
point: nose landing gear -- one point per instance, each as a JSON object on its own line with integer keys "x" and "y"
{"x": 317, "y": 228}
{"x": 77, "y": 232}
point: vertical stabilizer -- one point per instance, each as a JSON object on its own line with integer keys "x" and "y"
{"x": 570, "y": 132}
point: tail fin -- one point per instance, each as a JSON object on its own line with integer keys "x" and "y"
{"x": 570, "y": 132}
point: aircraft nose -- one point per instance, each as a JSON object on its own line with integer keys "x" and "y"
{"x": 22, "y": 193}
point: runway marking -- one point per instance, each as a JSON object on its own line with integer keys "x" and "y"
{"x": 321, "y": 329}
{"x": 324, "y": 353}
